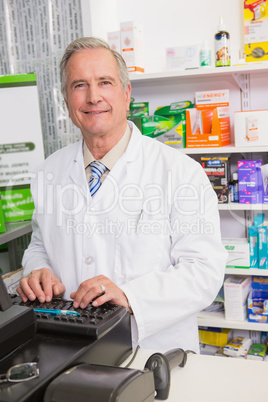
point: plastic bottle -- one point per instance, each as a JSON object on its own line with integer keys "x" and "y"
{"x": 205, "y": 55}
{"x": 222, "y": 46}
{"x": 234, "y": 191}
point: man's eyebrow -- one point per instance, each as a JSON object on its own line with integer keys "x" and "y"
{"x": 106, "y": 78}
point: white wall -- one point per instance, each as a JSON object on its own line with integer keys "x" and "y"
{"x": 170, "y": 23}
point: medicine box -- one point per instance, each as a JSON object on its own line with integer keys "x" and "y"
{"x": 138, "y": 109}
{"x": 250, "y": 128}
{"x": 256, "y": 30}
{"x": 238, "y": 253}
{"x": 257, "y": 351}
{"x": 217, "y": 170}
{"x": 113, "y": 39}
{"x": 236, "y": 290}
{"x": 260, "y": 283}
{"x": 250, "y": 185}
{"x": 208, "y": 124}
{"x": 253, "y": 246}
{"x": 173, "y": 123}
{"x": 132, "y": 45}
{"x": 182, "y": 57}
{"x": 256, "y": 311}
{"x": 237, "y": 347}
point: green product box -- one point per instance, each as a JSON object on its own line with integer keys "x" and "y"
{"x": 17, "y": 203}
{"x": 168, "y": 124}
{"x": 138, "y": 109}
{"x": 2, "y": 222}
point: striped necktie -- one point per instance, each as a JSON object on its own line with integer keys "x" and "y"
{"x": 97, "y": 170}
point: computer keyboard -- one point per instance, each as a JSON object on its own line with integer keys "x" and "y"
{"x": 91, "y": 321}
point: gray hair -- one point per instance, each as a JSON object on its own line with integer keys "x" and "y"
{"x": 92, "y": 43}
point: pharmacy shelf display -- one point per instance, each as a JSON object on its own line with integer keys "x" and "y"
{"x": 15, "y": 230}
{"x": 151, "y": 81}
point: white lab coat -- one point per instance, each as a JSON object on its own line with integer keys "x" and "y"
{"x": 152, "y": 228}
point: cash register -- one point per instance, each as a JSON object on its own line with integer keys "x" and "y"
{"x": 95, "y": 336}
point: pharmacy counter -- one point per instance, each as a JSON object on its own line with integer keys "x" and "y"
{"x": 210, "y": 378}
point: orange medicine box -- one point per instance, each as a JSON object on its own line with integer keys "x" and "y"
{"x": 208, "y": 124}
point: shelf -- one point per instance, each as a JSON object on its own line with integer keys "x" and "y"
{"x": 248, "y": 272}
{"x": 14, "y": 230}
{"x": 236, "y": 206}
{"x": 249, "y": 68}
{"x": 228, "y": 149}
{"x": 207, "y": 319}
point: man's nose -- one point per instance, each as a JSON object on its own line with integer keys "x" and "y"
{"x": 93, "y": 94}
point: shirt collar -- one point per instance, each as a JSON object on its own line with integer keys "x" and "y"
{"x": 110, "y": 159}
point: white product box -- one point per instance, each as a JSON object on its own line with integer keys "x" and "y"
{"x": 114, "y": 42}
{"x": 132, "y": 45}
{"x": 236, "y": 290}
{"x": 182, "y": 57}
{"x": 250, "y": 128}
{"x": 238, "y": 253}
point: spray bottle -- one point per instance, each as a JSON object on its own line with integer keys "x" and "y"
{"x": 222, "y": 46}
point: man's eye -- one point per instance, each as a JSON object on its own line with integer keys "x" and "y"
{"x": 105, "y": 83}
{"x": 79, "y": 85}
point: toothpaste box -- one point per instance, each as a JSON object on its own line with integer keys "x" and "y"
{"x": 238, "y": 253}
{"x": 236, "y": 290}
{"x": 132, "y": 45}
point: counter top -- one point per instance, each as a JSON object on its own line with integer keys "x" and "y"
{"x": 212, "y": 378}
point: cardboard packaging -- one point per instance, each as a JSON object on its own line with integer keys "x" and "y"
{"x": 174, "y": 128}
{"x": 138, "y": 109}
{"x": 132, "y": 45}
{"x": 182, "y": 57}
{"x": 256, "y": 30}
{"x": 208, "y": 124}
{"x": 217, "y": 170}
{"x": 214, "y": 336}
{"x": 250, "y": 184}
{"x": 114, "y": 41}
{"x": 238, "y": 253}
{"x": 250, "y": 128}
{"x": 236, "y": 290}
{"x": 256, "y": 310}
{"x": 238, "y": 347}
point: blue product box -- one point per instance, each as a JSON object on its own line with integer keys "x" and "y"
{"x": 250, "y": 183}
{"x": 256, "y": 311}
{"x": 259, "y": 283}
{"x": 253, "y": 246}
{"x": 262, "y": 247}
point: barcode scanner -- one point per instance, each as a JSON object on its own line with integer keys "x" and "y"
{"x": 161, "y": 365}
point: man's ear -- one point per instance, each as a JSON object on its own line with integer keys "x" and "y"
{"x": 67, "y": 105}
{"x": 128, "y": 96}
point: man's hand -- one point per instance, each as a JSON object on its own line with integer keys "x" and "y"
{"x": 92, "y": 289}
{"x": 40, "y": 284}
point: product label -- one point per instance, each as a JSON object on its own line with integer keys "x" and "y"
{"x": 222, "y": 52}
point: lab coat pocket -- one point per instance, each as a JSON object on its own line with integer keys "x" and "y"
{"x": 143, "y": 247}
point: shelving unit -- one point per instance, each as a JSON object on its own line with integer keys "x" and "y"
{"x": 240, "y": 75}
{"x": 15, "y": 230}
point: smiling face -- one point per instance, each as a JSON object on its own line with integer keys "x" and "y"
{"x": 95, "y": 99}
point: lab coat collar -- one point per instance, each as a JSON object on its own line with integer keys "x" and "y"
{"x": 118, "y": 174}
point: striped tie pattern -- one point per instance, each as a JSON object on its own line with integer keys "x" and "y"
{"x": 97, "y": 170}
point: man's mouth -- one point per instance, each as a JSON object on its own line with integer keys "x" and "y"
{"x": 96, "y": 112}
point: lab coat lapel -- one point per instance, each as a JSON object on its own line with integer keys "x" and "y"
{"x": 77, "y": 172}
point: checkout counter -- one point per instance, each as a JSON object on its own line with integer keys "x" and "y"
{"x": 214, "y": 379}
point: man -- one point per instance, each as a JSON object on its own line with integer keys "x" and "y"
{"x": 148, "y": 239}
